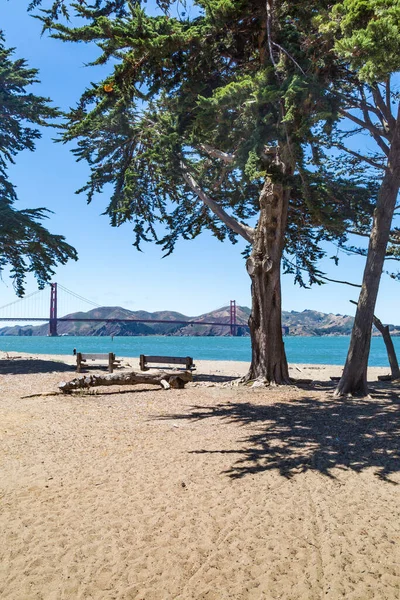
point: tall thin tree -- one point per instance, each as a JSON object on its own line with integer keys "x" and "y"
{"x": 366, "y": 38}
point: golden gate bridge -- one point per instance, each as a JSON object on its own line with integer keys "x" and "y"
{"x": 27, "y": 309}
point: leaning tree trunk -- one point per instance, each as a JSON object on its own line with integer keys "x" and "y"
{"x": 387, "y": 338}
{"x": 354, "y": 378}
{"x": 391, "y": 352}
{"x": 268, "y": 359}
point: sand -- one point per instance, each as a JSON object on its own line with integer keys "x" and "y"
{"x": 212, "y": 492}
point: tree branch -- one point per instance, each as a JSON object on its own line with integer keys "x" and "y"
{"x": 289, "y": 56}
{"x": 366, "y": 159}
{"x": 357, "y": 103}
{"x": 383, "y": 107}
{"x": 376, "y": 133}
{"x": 388, "y": 93}
{"x": 244, "y": 230}
{"x": 220, "y": 180}
{"x": 384, "y": 132}
{"x": 215, "y": 153}
{"x": 352, "y": 232}
{"x": 269, "y": 20}
{"x": 338, "y": 281}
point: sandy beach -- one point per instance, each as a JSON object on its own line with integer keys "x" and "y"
{"x": 212, "y": 492}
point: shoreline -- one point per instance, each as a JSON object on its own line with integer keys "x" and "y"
{"x": 299, "y": 350}
{"x": 212, "y": 368}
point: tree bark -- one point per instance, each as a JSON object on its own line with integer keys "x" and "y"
{"x": 391, "y": 352}
{"x": 172, "y": 379}
{"x": 354, "y": 377}
{"x": 268, "y": 359}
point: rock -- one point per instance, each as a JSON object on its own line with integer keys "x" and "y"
{"x": 259, "y": 383}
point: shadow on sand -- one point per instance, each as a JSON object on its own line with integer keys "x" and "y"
{"x": 311, "y": 434}
{"x": 214, "y": 378}
{"x": 18, "y": 366}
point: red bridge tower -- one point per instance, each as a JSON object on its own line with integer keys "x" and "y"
{"x": 233, "y": 317}
{"x": 53, "y": 310}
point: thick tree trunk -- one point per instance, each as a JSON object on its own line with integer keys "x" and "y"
{"x": 354, "y": 378}
{"x": 268, "y": 359}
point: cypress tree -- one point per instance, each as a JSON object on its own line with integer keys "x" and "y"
{"x": 209, "y": 121}
{"x": 26, "y": 246}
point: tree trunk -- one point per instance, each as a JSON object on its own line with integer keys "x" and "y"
{"x": 354, "y": 378}
{"x": 268, "y": 359}
{"x": 391, "y": 352}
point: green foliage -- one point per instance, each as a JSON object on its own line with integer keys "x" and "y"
{"x": 333, "y": 199}
{"x": 25, "y": 245}
{"x": 367, "y": 35}
{"x": 178, "y": 85}
{"x": 54, "y": 9}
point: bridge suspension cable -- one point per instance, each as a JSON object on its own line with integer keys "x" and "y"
{"x": 34, "y": 305}
{"x": 20, "y": 299}
{"x": 77, "y": 296}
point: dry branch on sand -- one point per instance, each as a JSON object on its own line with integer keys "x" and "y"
{"x": 166, "y": 379}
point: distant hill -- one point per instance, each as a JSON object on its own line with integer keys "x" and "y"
{"x": 305, "y": 323}
{"x": 314, "y": 323}
{"x": 116, "y": 329}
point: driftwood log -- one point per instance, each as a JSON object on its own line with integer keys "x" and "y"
{"x": 163, "y": 378}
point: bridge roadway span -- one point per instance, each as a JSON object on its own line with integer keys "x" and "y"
{"x": 177, "y": 322}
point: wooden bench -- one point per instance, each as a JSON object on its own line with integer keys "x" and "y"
{"x": 171, "y": 360}
{"x": 81, "y": 360}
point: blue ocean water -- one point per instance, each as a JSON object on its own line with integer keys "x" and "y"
{"x": 317, "y": 350}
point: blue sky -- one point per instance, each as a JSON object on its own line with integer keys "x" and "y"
{"x": 201, "y": 275}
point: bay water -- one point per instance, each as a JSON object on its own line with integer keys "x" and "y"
{"x": 307, "y": 350}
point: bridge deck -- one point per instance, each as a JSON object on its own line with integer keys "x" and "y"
{"x": 177, "y": 322}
